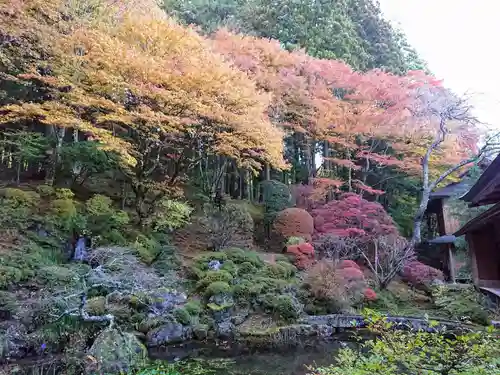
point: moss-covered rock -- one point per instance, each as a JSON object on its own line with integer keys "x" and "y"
{"x": 116, "y": 352}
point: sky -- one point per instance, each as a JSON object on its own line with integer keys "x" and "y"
{"x": 458, "y": 39}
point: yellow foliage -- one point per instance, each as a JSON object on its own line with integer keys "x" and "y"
{"x": 121, "y": 66}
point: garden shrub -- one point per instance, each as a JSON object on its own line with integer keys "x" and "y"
{"x": 213, "y": 276}
{"x": 193, "y": 307}
{"x": 247, "y": 268}
{"x": 303, "y": 255}
{"x": 64, "y": 194}
{"x": 293, "y": 222}
{"x": 147, "y": 248}
{"x": 338, "y": 289}
{"x": 240, "y": 256}
{"x": 335, "y": 247}
{"x": 103, "y": 220}
{"x": 276, "y": 197}
{"x": 65, "y": 216}
{"x": 217, "y": 287}
{"x": 285, "y": 306}
{"x": 353, "y": 216}
{"x": 19, "y": 208}
{"x": 421, "y": 275}
{"x": 461, "y": 303}
{"x": 231, "y": 225}
{"x": 230, "y": 267}
{"x": 169, "y": 215}
{"x": 182, "y": 316}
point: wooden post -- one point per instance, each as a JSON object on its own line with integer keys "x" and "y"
{"x": 451, "y": 264}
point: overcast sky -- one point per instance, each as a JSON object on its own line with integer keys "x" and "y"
{"x": 459, "y": 40}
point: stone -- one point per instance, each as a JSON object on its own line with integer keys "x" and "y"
{"x": 114, "y": 351}
{"x": 214, "y": 265}
{"x": 221, "y": 306}
{"x": 170, "y": 333}
{"x": 240, "y": 317}
{"x": 200, "y": 331}
{"x": 224, "y": 329}
{"x": 166, "y": 301}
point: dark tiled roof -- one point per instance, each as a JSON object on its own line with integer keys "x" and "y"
{"x": 443, "y": 239}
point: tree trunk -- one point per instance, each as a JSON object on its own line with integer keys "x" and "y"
{"x": 18, "y": 172}
{"x": 268, "y": 172}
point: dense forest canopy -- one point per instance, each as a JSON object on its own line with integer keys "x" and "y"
{"x": 350, "y": 30}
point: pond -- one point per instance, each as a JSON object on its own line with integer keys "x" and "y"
{"x": 271, "y": 361}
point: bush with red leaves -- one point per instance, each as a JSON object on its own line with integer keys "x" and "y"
{"x": 421, "y": 275}
{"x": 353, "y": 216}
{"x": 351, "y": 274}
{"x": 293, "y": 222}
{"x": 338, "y": 289}
{"x": 370, "y": 295}
{"x": 303, "y": 255}
{"x": 348, "y": 264}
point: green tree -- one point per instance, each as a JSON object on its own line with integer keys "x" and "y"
{"x": 351, "y": 30}
{"x": 25, "y": 148}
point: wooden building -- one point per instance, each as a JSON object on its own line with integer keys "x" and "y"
{"x": 438, "y": 249}
{"x": 483, "y": 232}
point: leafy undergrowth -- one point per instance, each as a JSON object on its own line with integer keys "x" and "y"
{"x": 244, "y": 277}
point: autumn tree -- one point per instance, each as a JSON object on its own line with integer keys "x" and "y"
{"x": 142, "y": 87}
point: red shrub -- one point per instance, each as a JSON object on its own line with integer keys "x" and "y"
{"x": 294, "y": 222}
{"x": 353, "y": 216}
{"x": 340, "y": 288}
{"x": 306, "y": 248}
{"x": 370, "y": 294}
{"x": 351, "y": 274}
{"x": 420, "y": 274}
{"x": 303, "y": 255}
{"x": 348, "y": 264}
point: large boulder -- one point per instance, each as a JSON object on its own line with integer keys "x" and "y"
{"x": 169, "y": 333}
{"x": 115, "y": 352}
{"x": 165, "y": 301}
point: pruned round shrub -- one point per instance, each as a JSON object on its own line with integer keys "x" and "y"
{"x": 182, "y": 316}
{"x": 218, "y": 287}
{"x": 421, "y": 275}
{"x": 285, "y": 306}
{"x": 303, "y": 255}
{"x": 293, "y": 222}
{"x": 45, "y": 190}
{"x": 230, "y": 267}
{"x": 213, "y": 276}
{"x": 20, "y": 197}
{"x": 239, "y": 256}
{"x": 193, "y": 307}
{"x": 246, "y": 268}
